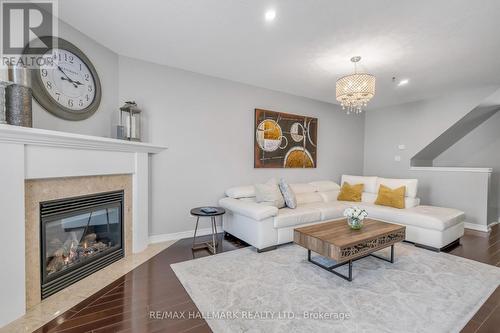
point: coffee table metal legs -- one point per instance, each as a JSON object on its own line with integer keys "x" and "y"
{"x": 348, "y": 277}
{"x": 391, "y": 259}
{"x": 331, "y": 268}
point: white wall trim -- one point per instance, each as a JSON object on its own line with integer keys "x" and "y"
{"x": 42, "y": 162}
{"x": 452, "y": 169}
{"x": 492, "y": 224}
{"x": 42, "y": 137}
{"x": 180, "y": 235}
{"x": 477, "y": 227}
{"x": 140, "y": 203}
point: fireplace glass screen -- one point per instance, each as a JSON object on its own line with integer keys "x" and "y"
{"x": 78, "y": 237}
{"x": 75, "y": 239}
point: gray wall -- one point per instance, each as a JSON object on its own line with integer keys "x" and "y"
{"x": 480, "y": 148}
{"x": 415, "y": 125}
{"x": 106, "y": 63}
{"x": 195, "y": 115}
{"x": 207, "y": 123}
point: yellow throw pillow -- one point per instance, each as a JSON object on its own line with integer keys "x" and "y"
{"x": 350, "y": 192}
{"x": 392, "y": 198}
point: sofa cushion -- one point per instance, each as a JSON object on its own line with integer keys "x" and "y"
{"x": 252, "y": 210}
{"x": 299, "y": 188}
{"x": 427, "y": 217}
{"x": 269, "y": 194}
{"x": 288, "y": 217}
{"x": 410, "y": 184}
{"x": 325, "y": 186}
{"x": 329, "y": 196}
{"x": 369, "y": 182}
{"x": 252, "y": 199}
{"x": 368, "y": 197}
{"x": 305, "y": 198}
{"x": 329, "y": 210}
{"x": 241, "y": 192}
{"x": 448, "y": 216}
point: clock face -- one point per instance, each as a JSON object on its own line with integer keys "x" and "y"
{"x": 66, "y": 84}
{"x": 68, "y": 81}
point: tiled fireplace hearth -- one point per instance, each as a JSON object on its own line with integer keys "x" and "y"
{"x": 39, "y": 168}
{"x": 78, "y": 225}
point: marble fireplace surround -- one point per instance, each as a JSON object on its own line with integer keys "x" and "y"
{"x": 36, "y": 163}
{"x": 39, "y": 190}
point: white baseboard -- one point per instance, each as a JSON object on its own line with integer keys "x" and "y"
{"x": 478, "y": 227}
{"x": 493, "y": 223}
{"x": 180, "y": 235}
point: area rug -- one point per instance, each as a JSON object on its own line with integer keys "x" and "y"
{"x": 280, "y": 291}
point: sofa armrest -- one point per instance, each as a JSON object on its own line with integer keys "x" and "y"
{"x": 249, "y": 209}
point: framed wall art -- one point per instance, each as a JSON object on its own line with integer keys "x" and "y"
{"x": 284, "y": 140}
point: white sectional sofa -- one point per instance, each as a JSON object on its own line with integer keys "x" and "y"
{"x": 265, "y": 227}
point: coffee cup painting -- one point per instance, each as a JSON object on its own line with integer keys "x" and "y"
{"x": 284, "y": 140}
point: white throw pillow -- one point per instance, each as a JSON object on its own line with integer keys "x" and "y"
{"x": 269, "y": 194}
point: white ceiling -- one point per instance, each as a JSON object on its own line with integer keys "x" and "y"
{"x": 439, "y": 45}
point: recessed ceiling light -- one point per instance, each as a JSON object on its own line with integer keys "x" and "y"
{"x": 403, "y": 82}
{"x": 270, "y": 15}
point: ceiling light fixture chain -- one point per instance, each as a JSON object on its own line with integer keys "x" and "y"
{"x": 355, "y": 60}
{"x": 356, "y": 90}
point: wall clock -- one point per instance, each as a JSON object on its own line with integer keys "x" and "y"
{"x": 70, "y": 87}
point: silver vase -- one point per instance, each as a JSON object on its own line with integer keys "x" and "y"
{"x": 19, "y": 97}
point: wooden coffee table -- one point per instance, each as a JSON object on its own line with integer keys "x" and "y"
{"x": 337, "y": 241}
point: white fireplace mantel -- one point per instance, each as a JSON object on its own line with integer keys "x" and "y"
{"x": 28, "y": 153}
{"x": 42, "y": 137}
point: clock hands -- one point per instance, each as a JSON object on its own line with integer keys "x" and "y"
{"x": 67, "y": 78}
{"x": 75, "y": 83}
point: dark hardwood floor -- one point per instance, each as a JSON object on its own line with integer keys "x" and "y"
{"x": 483, "y": 247}
{"x": 125, "y": 304}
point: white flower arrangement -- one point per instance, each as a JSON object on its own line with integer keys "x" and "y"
{"x": 355, "y": 213}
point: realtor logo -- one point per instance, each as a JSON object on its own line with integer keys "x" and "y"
{"x": 23, "y": 22}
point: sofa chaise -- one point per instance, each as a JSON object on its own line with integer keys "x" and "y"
{"x": 265, "y": 227}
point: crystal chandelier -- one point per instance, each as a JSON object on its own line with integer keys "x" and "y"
{"x": 356, "y": 90}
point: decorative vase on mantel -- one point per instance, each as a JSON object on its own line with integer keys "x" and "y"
{"x": 15, "y": 96}
{"x": 19, "y": 97}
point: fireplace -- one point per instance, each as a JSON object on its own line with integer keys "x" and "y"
{"x": 79, "y": 236}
